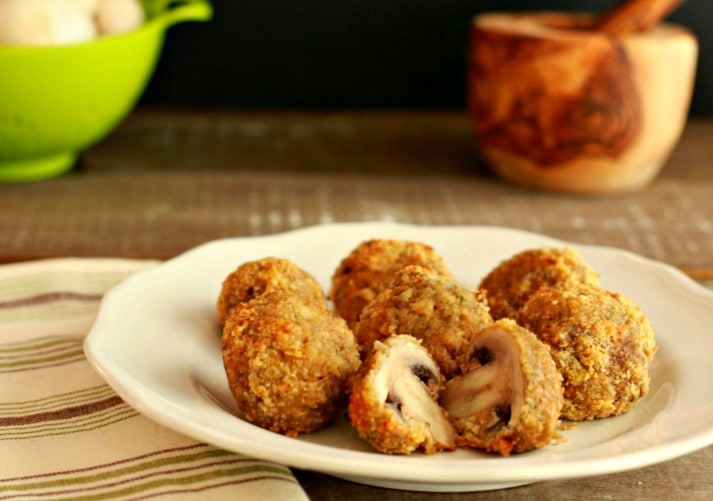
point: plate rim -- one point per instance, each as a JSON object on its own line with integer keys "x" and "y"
{"x": 524, "y": 473}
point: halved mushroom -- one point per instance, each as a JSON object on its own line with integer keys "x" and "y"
{"x": 393, "y": 399}
{"x": 509, "y": 395}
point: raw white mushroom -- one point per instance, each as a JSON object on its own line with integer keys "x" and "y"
{"x": 45, "y": 22}
{"x": 118, "y": 16}
{"x": 63, "y": 22}
{"x": 89, "y": 6}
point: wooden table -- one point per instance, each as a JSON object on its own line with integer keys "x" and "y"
{"x": 168, "y": 180}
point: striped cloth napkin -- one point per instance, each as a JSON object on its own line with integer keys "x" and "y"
{"x": 65, "y": 434}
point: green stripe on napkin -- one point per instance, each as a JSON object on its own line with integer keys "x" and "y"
{"x": 65, "y": 434}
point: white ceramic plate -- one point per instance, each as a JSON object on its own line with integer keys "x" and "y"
{"x": 156, "y": 342}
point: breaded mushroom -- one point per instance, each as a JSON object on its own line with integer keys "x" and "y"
{"x": 361, "y": 274}
{"x": 253, "y": 278}
{"x": 601, "y": 342}
{"x": 392, "y": 399}
{"x": 436, "y": 309}
{"x": 510, "y": 283}
{"x": 508, "y": 398}
{"x": 287, "y": 362}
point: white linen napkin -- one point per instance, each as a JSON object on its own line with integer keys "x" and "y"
{"x": 64, "y": 433}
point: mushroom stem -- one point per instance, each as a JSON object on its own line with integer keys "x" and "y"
{"x": 508, "y": 396}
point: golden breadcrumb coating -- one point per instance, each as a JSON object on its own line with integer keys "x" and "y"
{"x": 253, "y": 278}
{"x": 510, "y": 283}
{"x": 509, "y": 396}
{"x": 361, "y": 274}
{"x": 431, "y": 307}
{"x": 601, "y": 342}
{"x": 287, "y": 361}
{"x": 443, "y": 366}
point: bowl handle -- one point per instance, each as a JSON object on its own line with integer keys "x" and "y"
{"x": 170, "y": 12}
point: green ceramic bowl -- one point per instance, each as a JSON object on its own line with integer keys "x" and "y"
{"x": 57, "y": 101}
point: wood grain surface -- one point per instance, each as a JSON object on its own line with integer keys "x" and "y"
{"x": 168, "y": 180}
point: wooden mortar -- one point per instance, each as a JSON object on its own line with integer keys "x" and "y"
{"x": 580, "y": 103}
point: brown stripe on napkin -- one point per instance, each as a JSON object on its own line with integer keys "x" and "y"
{"x": 65, "y": 433}
{"x": 188, "y": 469}
{"x": 194, "y": 468}
{"x": 62, "y": 414}
{"x": 49, "y": 297}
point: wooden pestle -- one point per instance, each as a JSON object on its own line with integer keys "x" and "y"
{"x": 580, "y": 103}
{"x": 634, "y": 16}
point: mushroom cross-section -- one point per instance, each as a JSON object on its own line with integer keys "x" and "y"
{"x": 509, "y": 395}
{"x": 392, "y": 401}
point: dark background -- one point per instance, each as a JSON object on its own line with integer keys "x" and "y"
{"x": 345, "y": 54}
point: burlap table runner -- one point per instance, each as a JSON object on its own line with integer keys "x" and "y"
{"x": 65, "y": 434}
